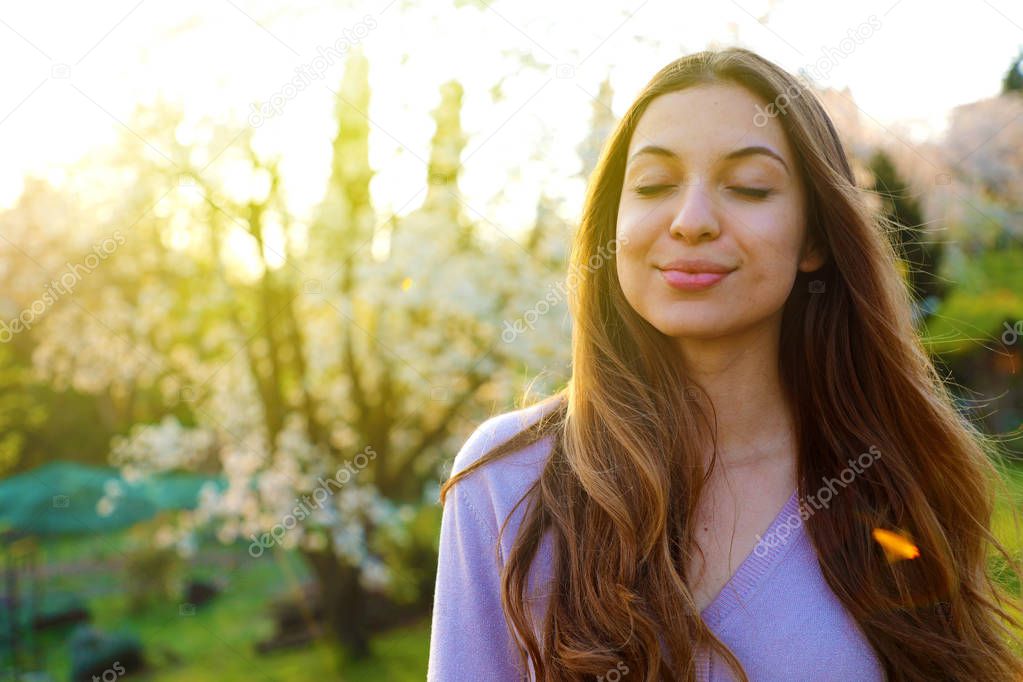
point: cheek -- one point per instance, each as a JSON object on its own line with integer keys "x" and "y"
{"x": 641, "y": 222}
{"x": 634, "y": 239}
{"x": 773, "y": 261}
{"x": 626, "y": 228}
{"x": 777, "y": 240}
{"x": 627, "y": 259}
{"x": 632, "y": 268}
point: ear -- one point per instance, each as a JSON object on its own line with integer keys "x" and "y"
{"x": 813, "y": 255}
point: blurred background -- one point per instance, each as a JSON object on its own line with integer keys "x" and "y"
{"x": 264, "y": 267}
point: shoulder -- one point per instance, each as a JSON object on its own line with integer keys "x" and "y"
{"x": 498, "y": 429}
{"x": 468, "y": 611}
{"x": 493, "y": 490}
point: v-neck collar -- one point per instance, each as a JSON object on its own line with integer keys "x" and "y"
{"x": 769, "y": 550}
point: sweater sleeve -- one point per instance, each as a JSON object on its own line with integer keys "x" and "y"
{"x": 469, "y": 639}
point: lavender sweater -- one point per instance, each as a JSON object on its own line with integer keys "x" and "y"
{"x": 776, "y": 613}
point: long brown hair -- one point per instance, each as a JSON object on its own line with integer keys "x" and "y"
{"x": 621, "y": 485}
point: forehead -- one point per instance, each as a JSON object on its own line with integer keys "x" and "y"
{"x": 706, "y": 121}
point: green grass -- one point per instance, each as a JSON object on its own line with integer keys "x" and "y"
{"x": 1002, "y": 524}
{"x": 217, "y": 641}
{"x": 1004, "y": 528}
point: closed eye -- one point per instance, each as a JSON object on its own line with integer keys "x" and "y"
{"x": 651, "y": 190}
{"x": 752, "y": 192}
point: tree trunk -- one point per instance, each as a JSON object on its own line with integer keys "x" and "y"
{"x": 344, "y": 602}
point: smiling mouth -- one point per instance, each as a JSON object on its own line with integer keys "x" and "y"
{"x": 692, "y": 281}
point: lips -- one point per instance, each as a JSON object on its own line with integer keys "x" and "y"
{"x": 696, "y": 266}
{"x": 693, "y": 274}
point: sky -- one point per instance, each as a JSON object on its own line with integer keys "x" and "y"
{"x": 74, "y": 72}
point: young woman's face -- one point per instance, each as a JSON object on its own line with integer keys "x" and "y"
{"x": 711, "y": 222}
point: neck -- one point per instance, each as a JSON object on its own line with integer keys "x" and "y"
{"x": 740, "y": 375}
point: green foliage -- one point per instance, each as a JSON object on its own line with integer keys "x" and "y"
{"x": 20, "y": 411}
{"x": 150, "y": 574}
{"x": 1013, "y": 81}
{"x": 988, "y": 295}
{"x": 412, "y": 559}
{"x": 921, "y": 256}
{"x": 1002, "y": 573}
{"x": 1004, "y": 528}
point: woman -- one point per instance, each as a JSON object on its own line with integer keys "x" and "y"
{"x": 755, "y": 471}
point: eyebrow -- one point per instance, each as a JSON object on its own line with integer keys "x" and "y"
{"x": 655, "y": 150}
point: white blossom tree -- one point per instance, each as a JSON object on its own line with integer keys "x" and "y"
{"x": 329, "y": 367}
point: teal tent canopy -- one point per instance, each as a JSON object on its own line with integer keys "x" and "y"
{"x": 64, "y": 498}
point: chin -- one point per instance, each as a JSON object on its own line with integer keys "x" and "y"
{"x": 702, "y": 329}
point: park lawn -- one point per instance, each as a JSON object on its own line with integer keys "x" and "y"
{"x": 1002, "y": 525}
{"x": 1004, "y": 528}
{"x": 217, "y": 641}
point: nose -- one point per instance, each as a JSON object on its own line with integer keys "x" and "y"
{"x": 696, "y": 219}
